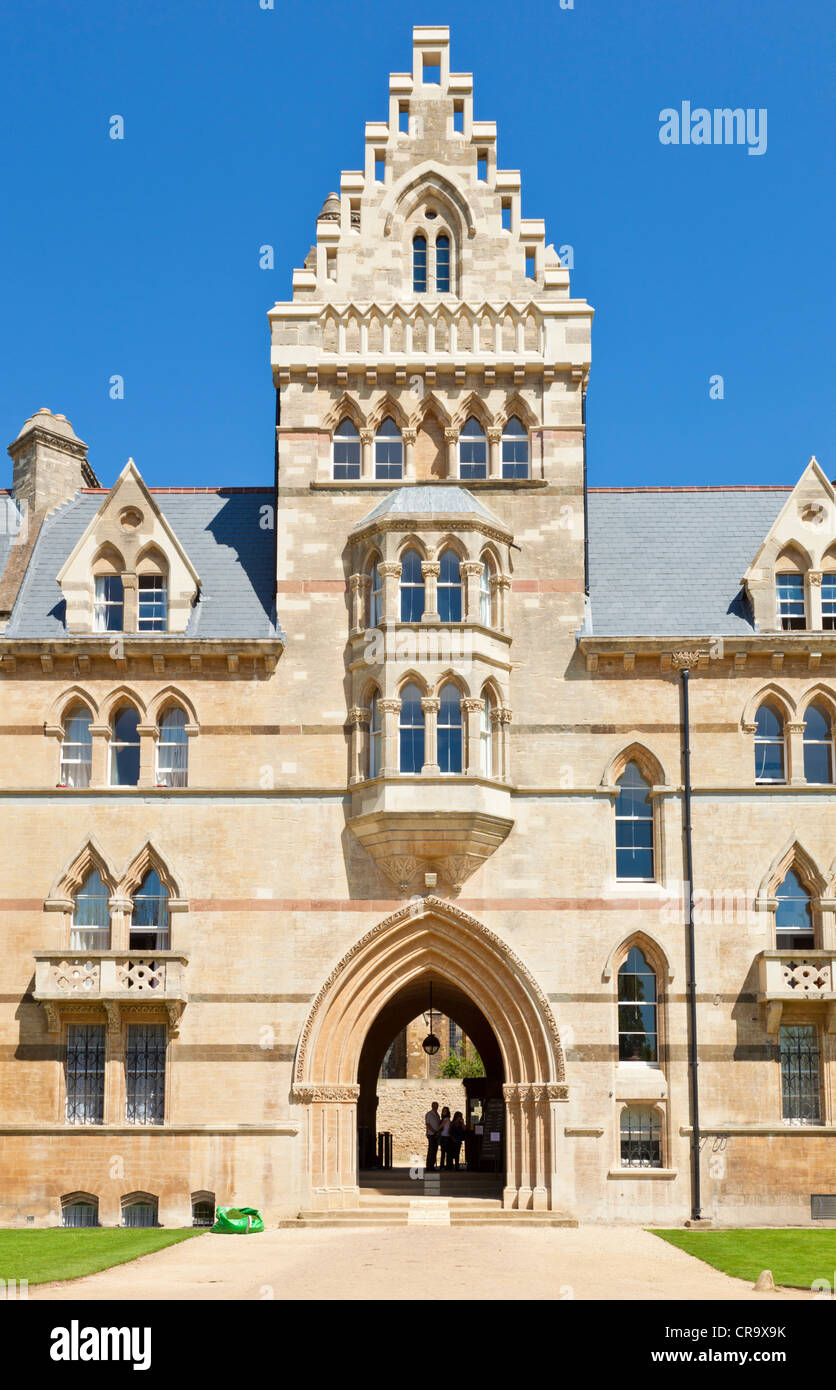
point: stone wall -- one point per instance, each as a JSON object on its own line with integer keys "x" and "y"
{"x": 402, "y": 1106}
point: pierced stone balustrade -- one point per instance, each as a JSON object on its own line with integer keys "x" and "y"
{"x": 111, "y": 980}
{"x": 796, "y": 978}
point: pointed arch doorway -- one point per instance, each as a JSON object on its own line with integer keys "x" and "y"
{"x": 377, "y": 981}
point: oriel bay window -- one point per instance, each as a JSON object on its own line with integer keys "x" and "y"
{"x": 412, "y": 587}
{"x": 450, "y": 729}
{"x": 450, "y": 588}
{"x": 411, "y": 729}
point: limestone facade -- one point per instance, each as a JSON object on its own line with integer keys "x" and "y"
{"x": 412, "y": 710}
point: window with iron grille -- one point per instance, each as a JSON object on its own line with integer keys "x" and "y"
{"x": 139, "y": 1214}
{"x": 80, "y": 1214}
{"x": 153, "y": 603}
{"x": 173, "y": 750}
{"x": 203, "y": 1211}
{"x": 641, "y": 1137}
{"x": 85, "y": 1074}
{"x": 800, "y": 1075}
{"x": 790, "y": 589}
{"x": 145, "y": 1073}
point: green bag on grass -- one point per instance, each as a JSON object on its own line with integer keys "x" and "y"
{"x": 237, "y": 1221}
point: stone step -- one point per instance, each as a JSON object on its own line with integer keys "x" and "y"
{"x": 419, "y": 1214}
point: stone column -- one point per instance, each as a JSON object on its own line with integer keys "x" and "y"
{"x": 147, "y": 754}
{"x": 409, "y": 437}
{"x": 540, "y": 1173}
{"x": 358, "y": 719}
{"x": 430, "y": 705}
{"x": 451, "y": 437}
{"x": 390, "y": 573}
{"x": 814, "y": 619}
{"x": 501, "y": 719}
{"x": 359, "y": 586}
{"x": 389, "y": 711}
{"x": 471, "y": 571}
{"x": 472, "y": 712}
{"x": 121, "y": 911}
{"x": 795, "y": 752}
{"x": 511, "y": 1189}
{"x": 494, "y": 433}
{"x": 430, "y": 570}
{"x": 130, "y": 611}
{"x": 500, "y": 584}
{"x": 99, "y": 770}
{"x": 367, "y": 442}
{"x": 114, "y": 1090}
{"x": 332, "y": 1143}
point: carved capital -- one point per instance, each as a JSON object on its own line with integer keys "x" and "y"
{"x": 359, "y": 581}
{"x": 470, "y": 705}
{"x": 309, "y": 1094}
{"x": 366, "y": 436}
{"x": 389, "y": 706}
{"x": 389, "y": 569}
{"x": 429, "y": 567}
{"x": 795, "y": 728}
{"x": 500, "y": 581}
{"x": 815, "y": 577}
{"x": 359, "y": 715}
{"x": 685, "y": 661}
{"x": 502, "y": 715}
{"x": 494, "y": 433}
{"x": 409, "y": 436}
{"x": 430, "y": 704}
{"x": 451, "y": 436}
{"x": 470, "y": 567}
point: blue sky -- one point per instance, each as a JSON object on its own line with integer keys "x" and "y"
{"x": 140, "y": 257}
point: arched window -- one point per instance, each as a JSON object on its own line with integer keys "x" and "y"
{"x": 76, "y": 749}
{"x": 486, "y": 734}
{"x": 149, "y": 923}
{"x": 419, "y": 264}
{"x": 790, "y": 592}
{"x": 641, "y": 1137}
{"x": 633, "y": 826}
{"x": 442, "y": 264}
{"x": 203, "y": 1209}
{"x": 375, "y": 593}
{"x": 486, "y": 595}
{"x": 449, "y": 588}
{"x": 173, "y": 749}
{"x": 412, "y": 587}
{"x": 794, "y": 929}
{"x": 388, "y": 450}
{"x": 91, "y": 915}
{"x": 108, "y": 603}
{"x": 769, "y": 745}
{"x": 79, "y": 1211}
{"x": 375, "y": 736}
{"x": 818, "y": 745}
{"x": 473, "y": 450}
{"x": 139, "y": 1213}
{"x": 450, "y": 729}
{"x": 514, "y": 450}
{"x": 124, "y": 748}
{"x": 346, "y": 447}
{"x": 638, "y": 1032}
{"x": 411, "y": 729}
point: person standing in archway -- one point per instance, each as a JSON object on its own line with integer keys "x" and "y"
{"x": 444, "y": 1138}
{"x": 432, "y": 1121}
{"x": 457, "y": 1132}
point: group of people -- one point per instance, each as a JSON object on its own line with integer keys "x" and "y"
{"x": 445, "y": 1133}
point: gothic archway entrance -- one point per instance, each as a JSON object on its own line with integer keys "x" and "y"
{"x": 373, "y": 985}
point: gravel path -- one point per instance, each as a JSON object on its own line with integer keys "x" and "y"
{"x": 610, "y": 1262}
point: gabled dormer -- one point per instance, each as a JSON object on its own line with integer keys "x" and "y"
{"x": 128, "y": 572}
{"x": 792, "y": 580}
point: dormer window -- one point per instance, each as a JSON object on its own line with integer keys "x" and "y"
{"x": 109, "y": 605}
{"x": 828, "y": 602}
{"x": 791, "y": 613}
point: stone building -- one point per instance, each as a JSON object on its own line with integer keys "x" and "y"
{"x": 425, "y": 709}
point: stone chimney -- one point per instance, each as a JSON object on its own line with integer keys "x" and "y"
{"x": 50, "y": 463}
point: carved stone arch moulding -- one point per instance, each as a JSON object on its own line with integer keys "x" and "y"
{"x": 793, "y": 856}
{"x": 648, "y": 763}
{"x": 771, "y": 694}
{"x": 538, "y": 1046}
{"x": 653, "y": 951}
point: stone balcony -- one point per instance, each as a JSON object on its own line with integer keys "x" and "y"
{"x": 789, "y": 979}
{"x": 109, "y": 982}
{"x": 441, "y": 825}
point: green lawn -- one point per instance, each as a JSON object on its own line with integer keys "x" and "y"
{"x": 796, "y": 1258}
{"x": 45, "y": 1256}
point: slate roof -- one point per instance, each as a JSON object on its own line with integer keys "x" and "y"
{"x": 219, "y": 531}
{"x": 669, "y": 563}
{"x": 431, "y": 501}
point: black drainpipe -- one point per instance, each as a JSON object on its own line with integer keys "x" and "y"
{"x": 696, "y": 1211}
{"x": 276, "y": 492}
{"x": 585, "y": 500}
